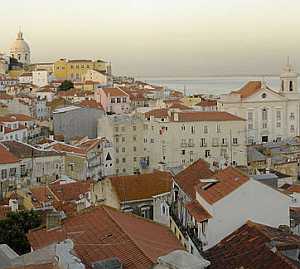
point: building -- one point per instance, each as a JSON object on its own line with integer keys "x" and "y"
{"x": 37, "y": 166}
{"x": 96, "y": 76}
{"x": 256, "y": 245}
{"x": 75, "y": 70}
{"x": 10, "y": 170}
{"x": 208, "y": 209}
{"x": 271, "y": 115}
{"x": 145, "y": 141}
{"x": 104, "y": 236}
{"x": 91, "y": 159}
{"x": 114, "y": 100}
{"x": 72, "y": 121}
{"x": 40, "y": 77}
{"x": 20, "y": 50}
{"x": 135, "y": 193}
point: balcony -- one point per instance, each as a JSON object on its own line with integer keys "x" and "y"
{"x": 193, "y": 235}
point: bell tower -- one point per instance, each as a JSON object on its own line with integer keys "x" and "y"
{"x": 289, "y": 79}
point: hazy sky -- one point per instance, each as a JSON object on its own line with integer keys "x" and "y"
{"x": 159, "y": 37}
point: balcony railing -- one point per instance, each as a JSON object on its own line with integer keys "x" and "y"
{"x": 192, "y": 233}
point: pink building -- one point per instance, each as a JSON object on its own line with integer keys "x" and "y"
{"x": 113, "y": 100}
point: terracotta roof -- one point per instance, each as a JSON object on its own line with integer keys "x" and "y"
{"x": 90, "y": 144}
{"x": 207, "y": 116}
{"x": 22, "y": 150}
{"x": 250, "y": 88}
{"x": 6, "y": 156}
{"x": 197, "y": 211}
{"x": 114, "y": 92}
{"x": 144, "y": 186}
{"x": 103, "y": 233}
{"x": 254, "y": 246}
{"x": 179, "y": 106}
{"x": 91, "y": 104}
{"x": 60, "y": 147}
{"x": 207, "y": 103}
{"x": 15, "y": 117}
{"x": 190, "y": 177}
{"x": 157, "y": 113}
{"x": 69, "y": 191}
{"x": 10, "y": 130}
{"x": 229, "y": 179}
{"x": 294, "y": 188}
{"x": 40, "y": 195}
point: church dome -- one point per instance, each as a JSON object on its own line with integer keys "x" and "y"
{"x": 19, "y": 45}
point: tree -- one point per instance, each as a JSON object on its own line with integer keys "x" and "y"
{"x": 66, "y": 85}
{"x": 13, "y": 229}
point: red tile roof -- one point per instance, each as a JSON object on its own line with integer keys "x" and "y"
{"x": 250, "y": 88}
{"x": 91, "y": 104}
{"x": 229, "y": 179}
{"x": 144, "y": 186}
{"x": 60, "y": 147}
{"x": 6, "y": 156}
{"x": 197, "y": 211}
{"x": 207, "y": 103}
{"x": 254, "y": 246}
{"x": 15, "y": 117}
{"x": 294, "y": 188}
{"x": 69, "y": 191}
{"x": 208, "y": 116}
{"x": 114, "y": 92}
{"x": 103, "y": 233}
{"x": 190, "y": 177}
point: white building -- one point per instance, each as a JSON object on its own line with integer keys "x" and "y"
{"x": 20, "y": 49}
{"x": 145, "y": 141}
{"x": 40, "y": 78}
{"x": 271, "y": 115}
{"x": 223, "y": 203}
{"x": 25, "y": 78}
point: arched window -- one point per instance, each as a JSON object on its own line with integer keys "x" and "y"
{"x": 291, "y": 86}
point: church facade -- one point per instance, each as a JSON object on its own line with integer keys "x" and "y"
{"x": 271, "y": 115}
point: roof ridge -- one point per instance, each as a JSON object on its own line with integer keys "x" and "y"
{"x": 125, "y": 232}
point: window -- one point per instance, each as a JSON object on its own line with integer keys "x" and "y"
{"x": 123, "y": 139}
{"x": 38, "y": 180}
{"x": 264, "y": 114}
{"x": 117, "y": 160}
{"x": 118, "y": 100}
{"x": 250, "y": 116}
{"x": 113, "y": 100}
{"x": 117, "y": 150}
{"x": 134, "y": 148}
{"x": 292, "y": 128}
{"x": 3, "y": 173}
{"x": 250, "y": 125}
{"x": 183, "y": 152}
{"x": 182, "y": 128}
{"x": 152, "y": 140}
{"x": 134, "y": 128}
{"x": 224, "y": 141}
{"x": 291, "y": 86}
{"x": 218, "y": 128}
{"x": 123, "y": 149}
{"x": 192, "y": 129}
{"x": 202, "y": 142}
{"x": 235, "y": 141}
{"x": 205, "y": 129}
{"x": 278, "y": 124}
{"x": 124, "y": 99}
{"x": 264, "y": 95}
{"x": 117, "y": 139}
{"x": 12, "y": 172}
{"x": 134, "y": 159}
{"x": 124, "y": 160}
{"x": 134, "y": 138}
{"x": 207, "y": 153}
{"x": 124, "y": 170}
{"x": 123, "y": 129}
{"x": 292, "y": 116}
{"x": 215, "y": 141}
{"x": 278, "y": 115}
{"x": 116, "y": 129}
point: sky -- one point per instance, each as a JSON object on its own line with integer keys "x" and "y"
{"x": 159, "y": 37}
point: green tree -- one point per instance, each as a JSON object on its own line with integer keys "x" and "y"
{"x": 13, "y": 229}
{"x": 66, "y": 85}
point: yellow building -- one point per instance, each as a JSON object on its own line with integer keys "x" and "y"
{"x": 75, "y": 70}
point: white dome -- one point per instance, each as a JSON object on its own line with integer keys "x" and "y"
{"x": 19, "y": 45}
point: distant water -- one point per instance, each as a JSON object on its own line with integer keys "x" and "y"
{"x": 208, "y": 85}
